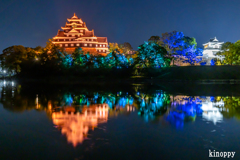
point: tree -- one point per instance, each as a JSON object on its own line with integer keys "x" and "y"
{"x": 180, "y": 47}
{"x": 116, "y": 60}
{"x": 189, "y": 51}
{"x": 78, "y": 57}
{"x": 12, "y": 57}
{"x": 49, "y": 44}
{"x": 155, "y": 39}
{"x": 87, "y": 60}
{"x": 126, "y": 47}
{"x": 230, "y": 52}
{"x": 114, "y": 46}
{"x": 151, "y": 55}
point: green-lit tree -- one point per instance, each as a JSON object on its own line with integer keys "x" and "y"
{"x": 151, "y": 55}
{"x": 231, "y": 53}
{"x": 115, "y": 59}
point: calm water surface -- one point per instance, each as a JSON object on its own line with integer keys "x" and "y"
{"x": 114, "y": 122}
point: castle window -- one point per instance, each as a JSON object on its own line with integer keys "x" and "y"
{"x": 66, "y": 45}
{"x": 96, "y": 45}
{"x": 100, "y": 45}
{"x": 81, "y": 30}
{"x": 60, "y": 45}
{"x": 90, "y": 45}
{"x": 77, "y": 44}
{"x": 72, "y": 45}
{"x": 104, "y": 45}
{"x": 90, "y": 39}
{"x": 85, "y": 44}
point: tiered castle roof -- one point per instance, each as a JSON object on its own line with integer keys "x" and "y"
{"x": 76, "y": 34}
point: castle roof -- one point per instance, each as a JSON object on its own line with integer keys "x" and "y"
{"x": 60, "y": 33}
{"x": 213, "y": 41}
{"x": 102, "y": 39}
{"x": 88, "y": 34}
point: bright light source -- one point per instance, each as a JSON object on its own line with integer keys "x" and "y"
{"x": 4, "y": 71}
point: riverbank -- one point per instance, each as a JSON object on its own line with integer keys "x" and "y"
{"x": 188, "y": 74}
{"x": 200, "y": 73}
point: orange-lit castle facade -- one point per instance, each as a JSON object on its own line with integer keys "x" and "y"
{"x": 76, "y": 34}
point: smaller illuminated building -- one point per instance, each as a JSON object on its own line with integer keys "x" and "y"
{"x": 210, "y": 50}
{"x": 76, "y": 34}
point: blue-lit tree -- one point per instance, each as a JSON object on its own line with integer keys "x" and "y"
{"x": 181, "y": 47}
{"x": 189, "y": 54}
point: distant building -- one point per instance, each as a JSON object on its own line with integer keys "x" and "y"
{"x": 76, "y": 34}
{"x": 210, "y": 50}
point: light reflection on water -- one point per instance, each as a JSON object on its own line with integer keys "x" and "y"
{"x": 76, "y": 126}
{"x": 75, "y": 114}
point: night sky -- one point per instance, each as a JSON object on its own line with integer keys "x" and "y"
{"x": 32, "y": 22}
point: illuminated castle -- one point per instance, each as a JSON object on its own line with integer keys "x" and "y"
{"x": 76, "y": 34}
{"x": 210, "y": 50}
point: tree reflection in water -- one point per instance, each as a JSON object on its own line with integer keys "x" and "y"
{"x": 152, "y": 106}
{"x": 184, "y": 109}
{"x": 78, "y": 111}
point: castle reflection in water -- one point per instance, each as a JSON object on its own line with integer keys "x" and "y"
{"x": 76, "y": 126}
{"x": 76, "y": 114}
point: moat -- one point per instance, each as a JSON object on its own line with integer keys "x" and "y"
{"x": 43, "y": 121}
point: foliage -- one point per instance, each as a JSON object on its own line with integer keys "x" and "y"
{"x": 12, "y": 57}
{"x": 179, "y": 46}
{"x": 113, "y": 47}
{"x": 116, "y": 60}
{"x": 155, "y": 39}
{"x": 126, "y": 47}
{"x": 151, "y": 55}
{"x": 213, "y": 62}
{"x": 231, "y": 53}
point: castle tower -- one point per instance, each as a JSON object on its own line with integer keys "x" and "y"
{"x": 210, "y": 50}
{"x": 76, "y": 34}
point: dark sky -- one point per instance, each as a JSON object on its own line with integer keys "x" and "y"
{"x": 32, "y": 22}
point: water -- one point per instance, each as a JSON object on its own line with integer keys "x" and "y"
{"x": 75, "y": 122}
